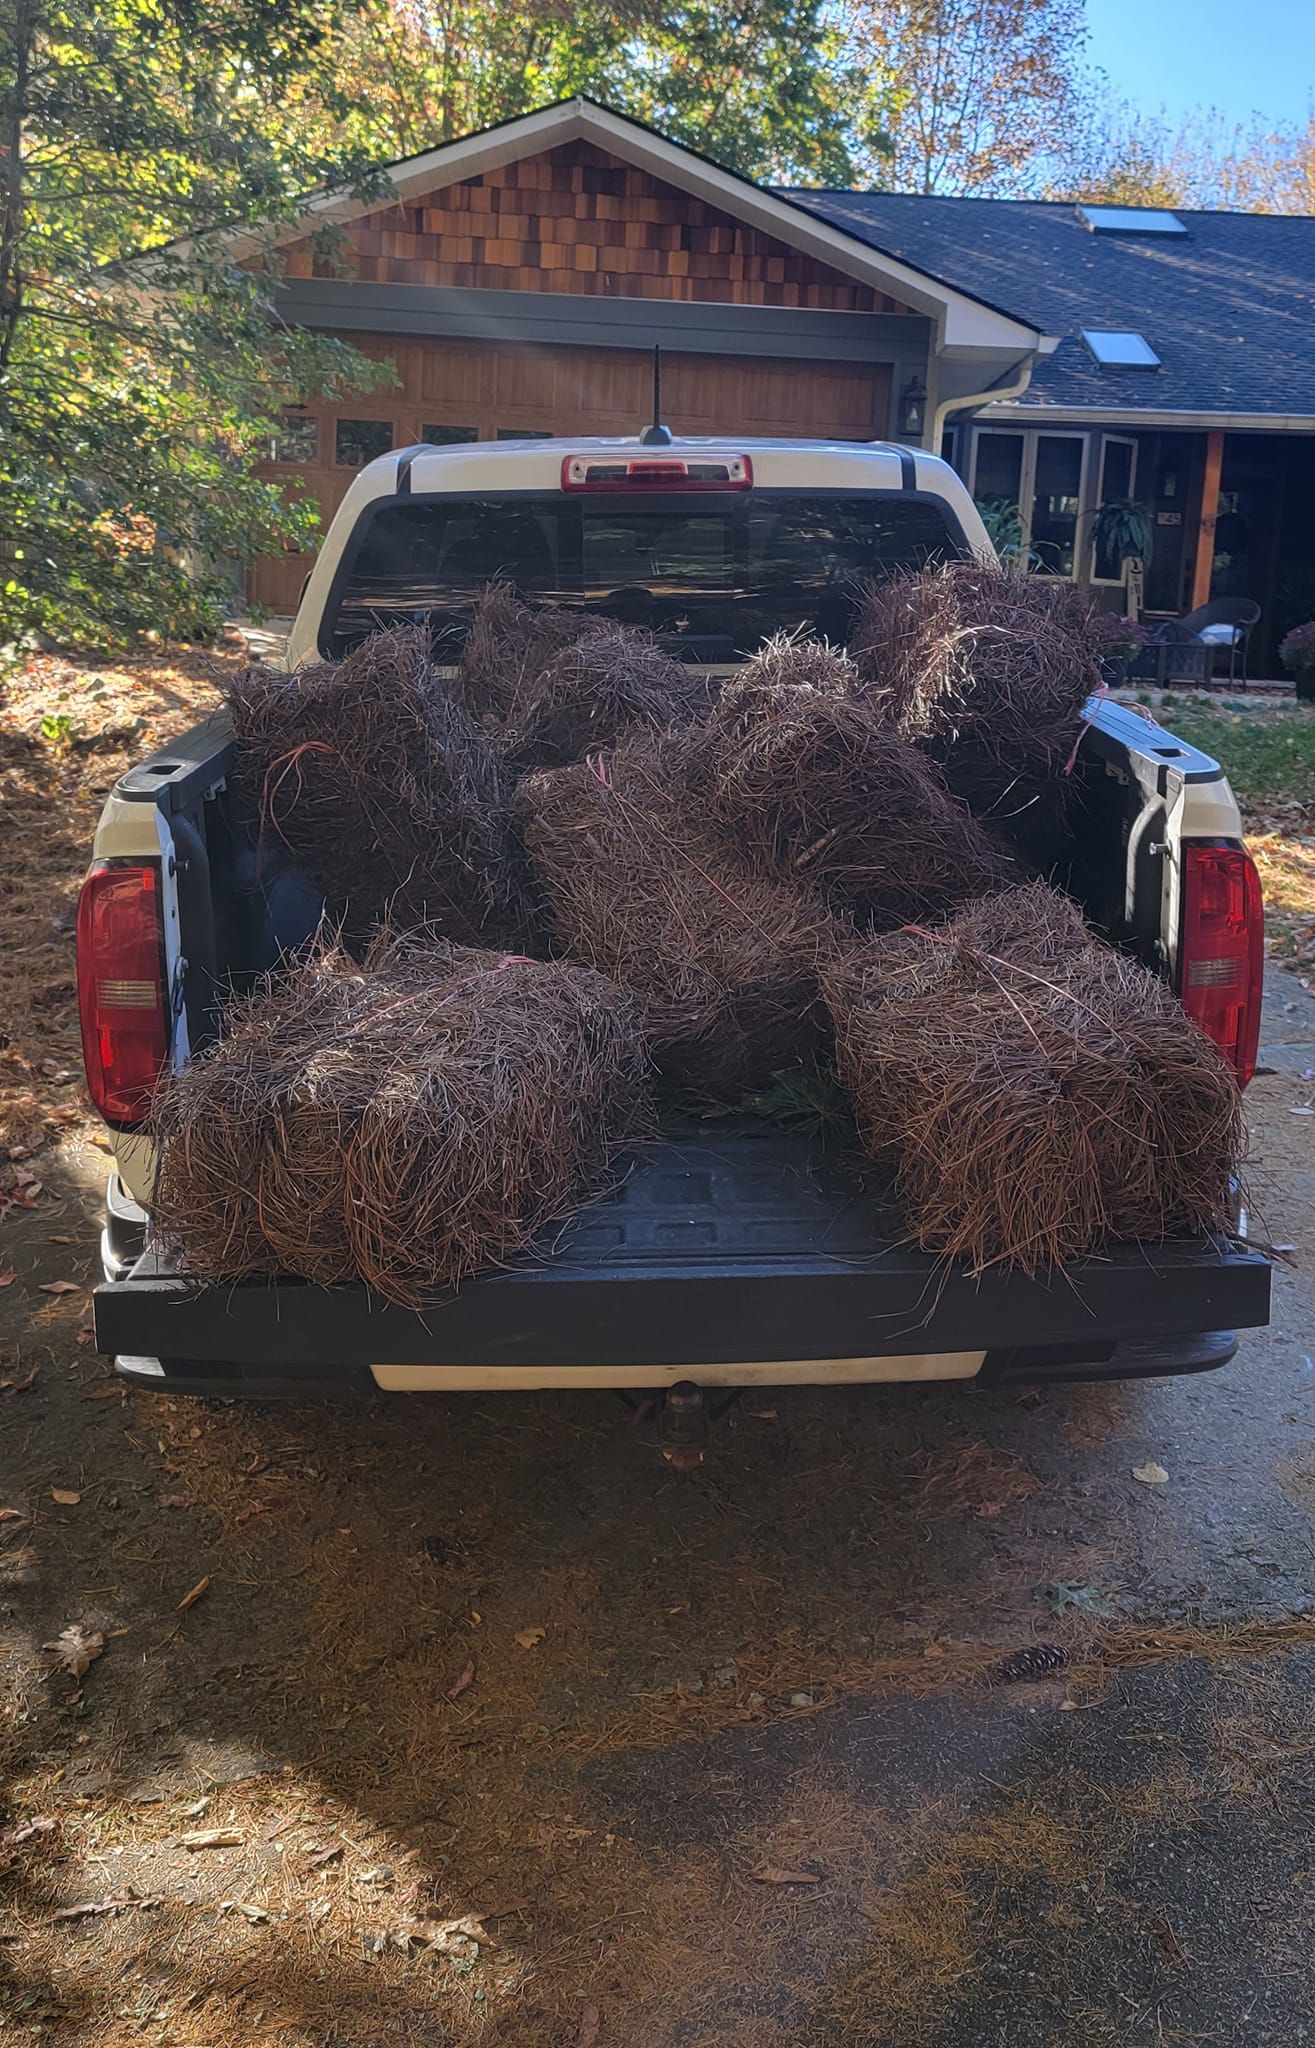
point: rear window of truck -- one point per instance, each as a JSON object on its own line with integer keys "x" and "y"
{"x": 713, "y": 575}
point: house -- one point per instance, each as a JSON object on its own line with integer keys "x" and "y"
{"x": 518, "y": 279}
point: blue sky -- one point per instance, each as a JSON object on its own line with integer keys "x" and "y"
{"x": 1179, "y": 54}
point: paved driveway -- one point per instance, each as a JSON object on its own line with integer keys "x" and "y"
{"x": 465, "y": 1721}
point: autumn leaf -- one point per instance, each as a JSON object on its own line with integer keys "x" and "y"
{"x": 529, "y": 1638}
{"x": 75, "y": 1649}
{"x": 8, "y": 1279}
{"x": 462, "y": 1683}
{"x": 60, "y": 1287}
{"x": 326, "y": 1852}
{"x": 114, "y": 1902}
{"x": 190, "y": 1599}
{"x": 67, "y": 1496}
{"x": 255, "y": 1914}
{"x": 40, "y": 1826}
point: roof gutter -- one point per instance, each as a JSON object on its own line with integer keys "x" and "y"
{"x": 1012, "y": 385}
{"x": 1045, "y": 413}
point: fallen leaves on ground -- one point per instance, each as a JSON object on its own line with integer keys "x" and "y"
{"x": 255, "y": 1914}
{"x": 75, "y": 1649}
{"x": 67, "y": 1496}
{"x": 113, "y": 1902}
{"x": 324, "y": 1852}
{"x": 462, "y": 1683}
{"x": 8, "y": 1279}
{"x": 201, "y": 1587}
{"x": 41, "y": 1825}
{"x": 1151, "y": 1474}
{"x": 211, "y": 1838}
{"x": 446, "y": 1937}
{"x": 60, "y": 1287}
{"x": 530, "y": 1638}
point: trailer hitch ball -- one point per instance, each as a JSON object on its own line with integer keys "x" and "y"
{"x": 682, "y": 1426}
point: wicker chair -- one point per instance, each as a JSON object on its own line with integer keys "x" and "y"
{"x": 1234, "y": 617}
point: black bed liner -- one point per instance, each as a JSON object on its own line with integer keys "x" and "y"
{"x": 720, "y": 1244}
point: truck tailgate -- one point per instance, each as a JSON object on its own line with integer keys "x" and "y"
{"x": 719, "y": 1244}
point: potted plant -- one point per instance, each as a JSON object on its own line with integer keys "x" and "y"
{"x": 1121, "y": 641}
{"x": 1297, "y": 654}
{"x": 1123, "y": 530}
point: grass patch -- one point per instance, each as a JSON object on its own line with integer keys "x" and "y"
{"x": 1264, "y": 753}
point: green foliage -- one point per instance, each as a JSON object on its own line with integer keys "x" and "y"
{"x": 1003, "y": 522}
{"x": 764, "y": 86}
{"x": 57, "y": 729}
{"x": 1264, "y": 753}
{"x": 1123, "y": 528}
{"x": 133, "y": 402}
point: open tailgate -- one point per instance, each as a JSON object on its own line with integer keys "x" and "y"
{"x": 720, "y": 1244}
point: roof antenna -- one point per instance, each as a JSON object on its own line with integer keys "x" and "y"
{"x": 656, "y": 436}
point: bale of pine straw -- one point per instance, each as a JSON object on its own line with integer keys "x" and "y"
{"x": 986, "y": 667}
{"x": 1036, "y": 1095}
{"x": 508, "y": 646}
{"x": 817, "y": 787}
{"x": 402, "y": 1122}
{"x": 382, "y": 789}
{"x": 590, "y": 691}
{"x": 636, "y": 883}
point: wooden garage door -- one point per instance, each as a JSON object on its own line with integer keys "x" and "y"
{"x": 464, "y": 391}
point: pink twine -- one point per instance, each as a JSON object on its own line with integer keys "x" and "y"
{"x": 1101, "y": 691}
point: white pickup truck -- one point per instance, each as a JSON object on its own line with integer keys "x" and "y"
{"x": 730, "y": 1254}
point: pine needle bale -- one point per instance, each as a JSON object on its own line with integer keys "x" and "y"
{"x": 383, "y": 790}
{"x": 507, "y": 648}
{"x": 402, "y": 1122}
{"x": 1032, "y": 1107}
{"x": 817, "y": 787}
{"x": 637, "y": 884}
{"x": 988, "y": 668}
{"x": 588, "y": 692}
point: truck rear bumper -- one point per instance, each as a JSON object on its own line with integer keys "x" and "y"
{"x": 231, "y": 1379}
{"x": 714, "y": 1251}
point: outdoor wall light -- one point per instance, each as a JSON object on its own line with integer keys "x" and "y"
{"x": 913, "y": 409}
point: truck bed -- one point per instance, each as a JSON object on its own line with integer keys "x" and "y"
{"x": 717, "y": 1245}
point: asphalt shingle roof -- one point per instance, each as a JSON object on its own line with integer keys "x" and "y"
{"x": 1229, "y": 307}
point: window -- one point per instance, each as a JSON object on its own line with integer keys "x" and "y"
{"x": 357, "y": 442}
{"x": 999, "y": 474}
{"x": 1120, "y": 349}
{"x": 296, "y": 439}
{"x": 1130, "y": 220}
{"x": 1038, "y": 477}
{"x": 1118, "y": 477}
{"x": 446, "y": 437}
{"x": 1056, "y": 499}
{"x": 525, "y": 434}
{"x": 711, "y": 576}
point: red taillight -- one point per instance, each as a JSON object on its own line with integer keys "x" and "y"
{"x": 1222, "y": 950}
{"x": 121, "y": 987}
{"x": 657, "y": 473}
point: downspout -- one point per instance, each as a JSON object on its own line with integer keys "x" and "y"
{"x": 1012, "y": 385}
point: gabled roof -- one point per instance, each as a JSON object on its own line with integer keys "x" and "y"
{"x": 1228, "y": 307}
{"x": 965, "y": 319}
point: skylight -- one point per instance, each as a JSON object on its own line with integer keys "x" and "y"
{"x": 1129, "y": 220}
{"x": 1116, "y": 349}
